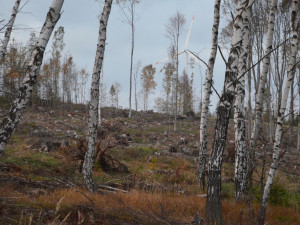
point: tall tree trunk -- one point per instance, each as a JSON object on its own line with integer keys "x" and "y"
{"x": 176, "y": 87}
{"x": 279, "y": 124}
{"x": 213, "y": 203}
{"x": 92, "y": 123}
{"x": 292, "y": 113}
{"x": 249, "y": 94}
{"x": 260, "y": 92}
{"x": 298, "y": 142}
{"x": 131, "y": 56}
{"x": 10, "y": 122}
{"x": 239, "y": 116}
{"x": 271, "y": 124}
{"x": 206, "y": 98}
{"x": 135, "y": 94}
{"x": 9, "y": 27}
{"x": 100, "y": 98}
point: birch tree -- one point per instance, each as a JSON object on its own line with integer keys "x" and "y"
{"x": 92, "y": 123}
{"x": 100, "y": 98}
{"x": 213, "y": 203}
{"x": 261, "y": 90}
{"x": 9, "y": 29}
{"x": 206, "y": 97}
{"x": 174, "y": 28}
{"x": 129, "y": 17}
{"x": 10, "y": 122}
{"x": 239, "y": 116}
{"x": 279, "y": 125}
{"x": 136, "y": 74}
{"x": 148, "y": 83}
{"x": 298, "y": 84}
{"x": 167, "y": 83}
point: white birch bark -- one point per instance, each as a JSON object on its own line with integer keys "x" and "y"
{"x": 298, "y": 141}
{"x": 249, "y": 93}
{"x": 213, "y": 203}
{"x": 10, "y": 122}
{"x": 207, "y": 93}
{"x": 100, "y": 99}
{"x": 92, "y": 123}
{"x": 261, "y": 87}
{"x": 280, "y": 118}
{"x": 9, "y": 29}
{"x": 239, "y": 116}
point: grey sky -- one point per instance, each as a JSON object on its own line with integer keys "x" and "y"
{"x": 80, "y": 20}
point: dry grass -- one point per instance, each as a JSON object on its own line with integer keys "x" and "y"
{"x": 173, "y": 208}
{"x": 168, "y": 206}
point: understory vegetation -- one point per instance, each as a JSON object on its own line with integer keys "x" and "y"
{"x": 41, "y": 184}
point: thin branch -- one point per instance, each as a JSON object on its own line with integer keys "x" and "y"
{"x": 86, "y": 197}
{"x": 284, "y": 131}
{"x": 281, "y": 155}
{"x": 112, "y": 188}
{"x": 259, "y": 61}
{"x": 7, "y": 93}
{"x": 194, "y": 54}
{"x": 289, "y": 114}
{"x": 295, "y": 65}
{"x": 222, "y": 55}
{"x": 214, "y": 89}
{"x": 16, "y": 14}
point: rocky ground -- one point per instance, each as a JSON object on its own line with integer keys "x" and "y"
{"x": 145, "y": 172}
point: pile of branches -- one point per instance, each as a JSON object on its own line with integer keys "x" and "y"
{"x": 102, "y": 156}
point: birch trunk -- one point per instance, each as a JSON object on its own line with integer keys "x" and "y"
{"x": 280, "y": 118}
{"x": 239, "y": 116}
{"x": 100, "y": 98}
{"x": 292, "y": 113}
{"x": 213, "y": 203}
{"x": 249, "y": 94}
{"x": 9, "y": 29}
{"x": 131, "y": 56}
{"x": 298, "y": 142}
{"x": 261, "y": 89}
{"x": 271, "y": 124}
{"x": 92, "y": 123}
{"x": 206, "y": 98}
{"x": 10, "y": 122}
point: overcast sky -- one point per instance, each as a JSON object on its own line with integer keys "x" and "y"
{"x": 81, "y": 23}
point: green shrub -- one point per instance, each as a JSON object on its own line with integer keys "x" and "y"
{"x": 278, "y": 195}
